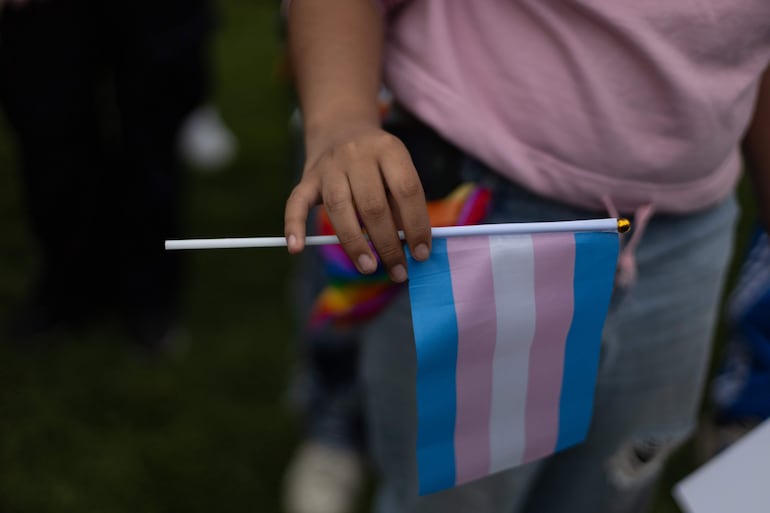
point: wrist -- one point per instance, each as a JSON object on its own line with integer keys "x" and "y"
{"x": 323, "y": 132}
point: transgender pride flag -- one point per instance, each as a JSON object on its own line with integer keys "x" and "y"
{"x": 508, "y": 332}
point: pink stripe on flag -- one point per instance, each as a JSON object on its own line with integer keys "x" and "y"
{"x": 470, "y": 265}
{"x": 554, "y": 304}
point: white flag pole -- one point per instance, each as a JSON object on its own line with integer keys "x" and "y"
{"x": 589, "y": 225}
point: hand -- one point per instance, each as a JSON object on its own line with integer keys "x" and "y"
{"x": 363, "y": 172}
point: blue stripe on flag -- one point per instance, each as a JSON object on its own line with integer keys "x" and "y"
{"x": 435, "y": 331}
{"x": 596, "y": 256}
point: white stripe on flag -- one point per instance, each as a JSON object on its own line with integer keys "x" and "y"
{"x": 513, "y": 268}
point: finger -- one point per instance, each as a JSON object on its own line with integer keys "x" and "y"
{"x": 338, "y": 201}
{"x": 372, "y": 204}
{"x": 409, "y": 199}
{"x": 304, "y": 197}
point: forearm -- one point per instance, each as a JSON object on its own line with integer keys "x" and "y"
{"x": 757, "y": 150}
{"x": 359, "y": 172}
{"x": 336, "y": 48}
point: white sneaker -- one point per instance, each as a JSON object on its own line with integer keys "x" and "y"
{"x": 323, "y": 479}
{"x": 205, "y": 142}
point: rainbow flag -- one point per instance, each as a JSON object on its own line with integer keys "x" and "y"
{"x": 350, "y": 297}
{"x": 508, "y": 332}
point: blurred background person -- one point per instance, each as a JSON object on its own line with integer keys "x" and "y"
{"x": 87, "y": 422}
{"x": 96, "y": 93}
{"x": 327, "y": 471}
{"x": 740, "y": 391}
{"x": 329, "y": 468}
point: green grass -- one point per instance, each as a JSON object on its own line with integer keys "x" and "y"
{"x": 88, "y": 424}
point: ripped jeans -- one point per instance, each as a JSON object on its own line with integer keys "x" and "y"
{"x": 655, "y": 353}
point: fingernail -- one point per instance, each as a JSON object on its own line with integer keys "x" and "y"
{"x": 398, "y": 274}
{"x": 366, "y": 264}
{"x": 421, "y": 252}
{"x": 291, "y": 241}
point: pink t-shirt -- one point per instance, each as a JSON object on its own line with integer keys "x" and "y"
{"x": 642, "y": 102}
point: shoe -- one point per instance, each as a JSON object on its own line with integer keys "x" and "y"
{"x": 205, "y": 142}
{"x": 323, "y": 479}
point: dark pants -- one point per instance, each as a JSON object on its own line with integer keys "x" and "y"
{"x": 95, "y": 92}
